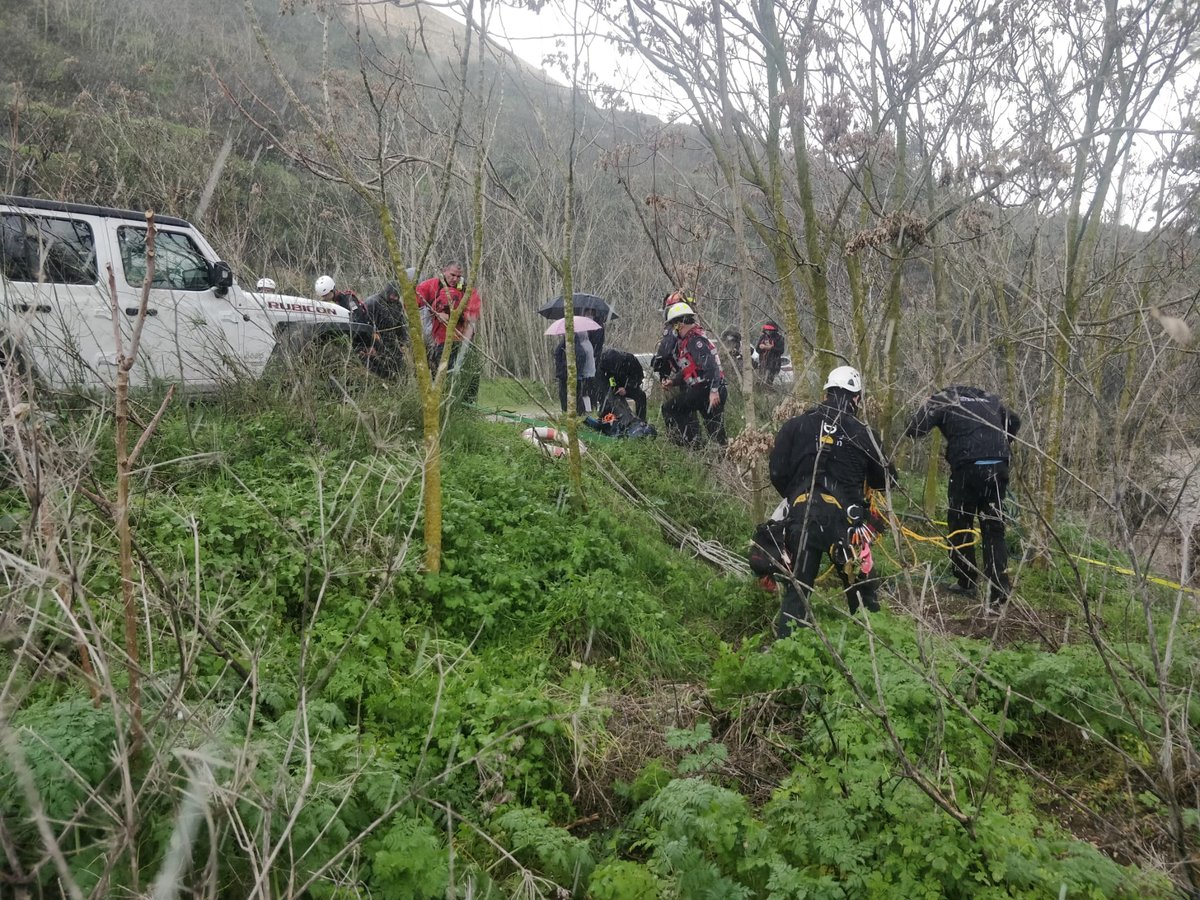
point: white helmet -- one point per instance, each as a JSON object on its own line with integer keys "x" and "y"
{"x": 265, "y": 284}
{"x": 324, "y": 285}
{"x": 678, "y": 311}
{"x": 847, "y": 378}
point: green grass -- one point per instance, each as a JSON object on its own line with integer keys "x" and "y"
{"x": 563, "y": 654}
{"x": 515, "y": 394}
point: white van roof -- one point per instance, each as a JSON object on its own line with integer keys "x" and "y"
{"x": 84, "y": 209}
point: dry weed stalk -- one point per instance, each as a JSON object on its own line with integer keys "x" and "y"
{"x": 127, "y": 461}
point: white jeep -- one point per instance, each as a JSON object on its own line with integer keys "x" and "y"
{"x": 56, "y": 308}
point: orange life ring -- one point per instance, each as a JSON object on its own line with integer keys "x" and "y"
{"x": 552, "y": 441}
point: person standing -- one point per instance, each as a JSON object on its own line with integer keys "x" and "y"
{"x": 822, "y": 462}
{"x": 731, "y": 340}
{"x": 585, "y": 365}
{"x": 596, "y": 388}
{"x": 441, "y": 295}
{"x": 979, "y": 430}
{"x": 698, "y": 375}
{"x": 769, "y": 350}
{"x": 384, "y": 312}
{"x": 662, "y": 363}
{"x": 265, "y": 286}
{"x": 326, "y": 289}
{"x": 622, "y": 374}
{"x": 582, "y": 402}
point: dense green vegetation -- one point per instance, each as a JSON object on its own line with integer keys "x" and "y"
{"x": 569, "y": 702}
{"x": 577, "y": 704}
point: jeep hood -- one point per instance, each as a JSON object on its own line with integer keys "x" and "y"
{"x": 287, "y": 306}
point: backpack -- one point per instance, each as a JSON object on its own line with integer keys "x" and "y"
{"x": 641, "y": 429}
{"x": 613, "y": 426}
{"x": 616, "y": 420}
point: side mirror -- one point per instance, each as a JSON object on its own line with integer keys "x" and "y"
{"x": 220, "y": 277}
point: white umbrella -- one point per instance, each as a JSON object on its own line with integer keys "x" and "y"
{"x": 581, "y": 323}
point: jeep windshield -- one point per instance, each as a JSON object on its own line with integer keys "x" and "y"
{"x": 178, "y": 263}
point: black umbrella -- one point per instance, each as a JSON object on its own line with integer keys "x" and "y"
{"x": 583, "y": 304}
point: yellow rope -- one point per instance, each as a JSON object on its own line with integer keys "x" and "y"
{"x": 943, "y": 543}
{"x": 1126, "y": 571}
{"x": 1122, "y": 570}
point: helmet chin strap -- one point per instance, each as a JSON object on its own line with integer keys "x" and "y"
{"x": 851, "y": 400}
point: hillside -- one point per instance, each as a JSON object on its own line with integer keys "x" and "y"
{"x": 281, "y": 685}
{"x": 571, "y": 705}
{"x": 167, "y": 97}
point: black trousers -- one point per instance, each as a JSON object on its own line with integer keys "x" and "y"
{"x": 679, "y": 415}
{"x": 770, "y": 363}
{"x": 814, "y": 530}
{"x": 562, "y": 395}
{"x": 597, "y": 389}
{"x": 978, "y": 491}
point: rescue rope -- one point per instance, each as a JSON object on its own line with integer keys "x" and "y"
{"x": 944, "y": 544}
{"x": 685, "y": 538}
{"x": 1122, "y": 570}
{"x": 507, "y": 415}
{"x": 735, "y": 564}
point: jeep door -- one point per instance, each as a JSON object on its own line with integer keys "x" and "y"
{"x": 54, "y": 294}
{"x": 191, "y": 334}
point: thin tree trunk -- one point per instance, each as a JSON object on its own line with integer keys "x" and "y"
{"x": 126, "y": 461}
{"x": 815, "y": 277}
{"x": 575, "y": 458}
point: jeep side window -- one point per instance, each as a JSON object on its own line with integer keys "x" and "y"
{"x": 178, "y": 263}
{"x": 42, "y": 248}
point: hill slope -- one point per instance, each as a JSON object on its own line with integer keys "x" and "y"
{"x": 571, "y": 704}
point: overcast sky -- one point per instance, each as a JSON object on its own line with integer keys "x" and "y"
{"x": 534, "y": 36}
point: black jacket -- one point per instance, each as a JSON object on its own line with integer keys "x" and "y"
{"x": 560, "y": 357}
{"x": 828, "y": 449}
{"x": 975, "y": 423}
{"x": 662, "y": 363}
{"x": 345, "y": 299}
{"x": 775, "y": 335}
{"x": 385, "y": 316}
{"x": 620, "y": 369}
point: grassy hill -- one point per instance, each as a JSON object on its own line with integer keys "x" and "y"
{"x": 573, "y": 706}
{"x": 577, "y": 704}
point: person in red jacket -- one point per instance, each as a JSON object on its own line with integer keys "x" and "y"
{"x": 438, "y": 297}
{"x": 769, "y": 351}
